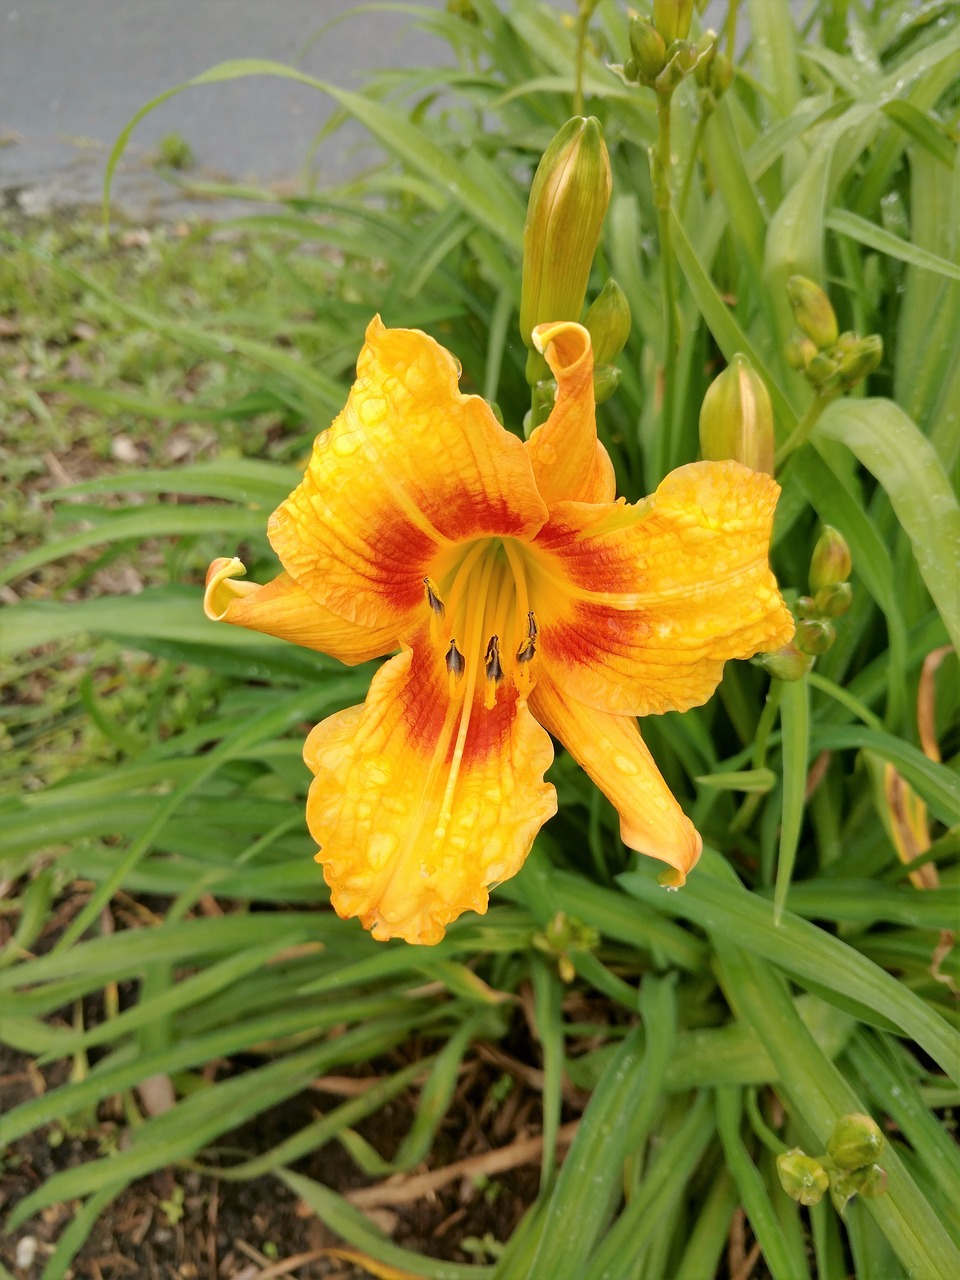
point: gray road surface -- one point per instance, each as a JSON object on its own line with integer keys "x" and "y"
{"x": 73, "y": 72}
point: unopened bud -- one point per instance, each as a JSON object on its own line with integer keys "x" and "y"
{"x": 814, "y": 635}
{"x": 567, "y": 205}
{"x": 608, "y": 320}
{"x": 672, "y": 18}
{"x": 812, "y": 311}
{"x": 648, "y": 48}
{"x": 721, "y": 74}
{"x": 806, "y": 607}
{"x": 682, "y": 59}
{"x": 606, "y": 379}
{"x": 860, "y": 360}
{"x": 821, "y": 372}
{"x": 830, "y": 562}
{"x": 736, "y": 418}
{"x": 833, "y": 602}
{"x": 855, "y": 1143}
{"x": 799, "y": 350}
{"x": 801, "y": 1177}
{"x": 871, "y": 1182}
{"x": 785, "y": 663}
{"x": 706, "y": 52}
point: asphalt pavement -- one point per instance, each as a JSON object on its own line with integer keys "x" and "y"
{"x": 73, "y": 72}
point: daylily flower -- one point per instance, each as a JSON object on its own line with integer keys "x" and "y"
{"x": 524, "y": 599}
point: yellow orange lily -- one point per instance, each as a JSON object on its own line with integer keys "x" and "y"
{"x": 524, "y": 599}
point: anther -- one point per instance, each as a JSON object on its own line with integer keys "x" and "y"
{"x": 528, "y": 649}
{"x": 433, "y": 600}
{"x": 456, "y": 663}
{"x": 492, "y": 660}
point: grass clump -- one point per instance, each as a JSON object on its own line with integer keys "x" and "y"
{"x": 678, "y": 1047}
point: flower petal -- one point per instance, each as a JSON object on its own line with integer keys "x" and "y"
{"x": 409, "y": 466}
{"x": 413, "y": 831}
{"x": 283, "y": 609}
{"x": 609, "y": 748}
{"x": 640, "y": 606}
{"x": 569, "y": 461}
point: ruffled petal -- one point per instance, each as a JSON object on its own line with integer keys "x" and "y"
{"x": 410, "y": 466}
{"x": 609, "y": 748}
{"x": 569, "y": 461}
{"x": 640, "y": 606}
{"x": 283, "y": 609}
{"x": 417, "y": 814}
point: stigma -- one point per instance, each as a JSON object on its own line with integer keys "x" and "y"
{"x": 481, "y": 622}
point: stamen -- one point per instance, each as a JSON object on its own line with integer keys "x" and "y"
{"x": 492, "y": 660}
{"x": 527, "y": 651}
{"x": 433, "y": 598}
{"x": 456, "y": 663}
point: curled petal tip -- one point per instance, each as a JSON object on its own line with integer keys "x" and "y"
{"x": 570, "y": 341}
{"x": 219, "y": 587}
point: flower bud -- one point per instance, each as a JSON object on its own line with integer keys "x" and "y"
{"x": 567, "y": 205}
{"x": 806, "y": 607}
{"x": 860, "y": 360}
{"x": 785, "y": 663}
{"x": 606, "y": 379}
{"x": 814, "y": 635}
{"x": 830, "y": 562}
{"x": 721, "y": 74}
{"x": 648, "y": 48}
{"x": 871, "y": 1182}
{"x": 855, "y": 1143}
{"x": 833, "y": 602}
{"x": 799, "y": 350}
{"x": 672, "y": 18}
{"x": 683, "y": 58}
{"x": 736, "y": 418}
{"x": 812, "y": 311}
{"x": 821, "y": 372}
{"x": 608, "y": 320}
{"x": 801, "y": 1177}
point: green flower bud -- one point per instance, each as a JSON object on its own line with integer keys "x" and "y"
{"x": 799, "y": 350}
{"x": 871, "y": 1182}
{"x": 830, "y": 562}
{"x": 806, "y": 607}
{"x": 855, "y": 1143}
{"x": 672, "y": 18}
{"x": 682, "y": 59}
{"x": 736, "y": 418}
{"x": 801, "y": 1177}
{"x": 814, "y": 635}
{"x": 630, "y": 70}
{"x": 721, "y": 74}
{"x": 786, "y": 663}
{"x": 606, "y": 379}
{"x": 833, "y": 602}
{"x": 648, "y": 48}
{"x": 706, "y": 48}
{"x": 821, "y": 372}
{"x": 608, "y": 319}
{"x": 812, "y": 311}
{"x": 860, "y": 360}
{"x": 567, "y": 205}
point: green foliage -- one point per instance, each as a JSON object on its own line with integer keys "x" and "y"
{"x": 800, "y": 975}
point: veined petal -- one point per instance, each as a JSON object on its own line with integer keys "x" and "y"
{"x": 422, "y": 801}
{"x": 609, "y": 748}
{"x": 283, "y": 609}
{"x": 410, "y": 465}
{"x": 640, "y": 606}
{"x": 569, "y": 461}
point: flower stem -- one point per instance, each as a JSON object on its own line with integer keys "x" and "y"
{"x": 661, "y": 166}
{"x": 583, "y": 18}
{"x": 731, "y": 31}
{"x": 801, "y": 432}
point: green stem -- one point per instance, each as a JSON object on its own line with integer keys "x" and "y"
{"x": 692, "y": 162}
{"x": 583, "y": 18}
{"x": 801, "y": 432}
{"x": 661, "y": 173}
{"x": 732, "y": 29}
